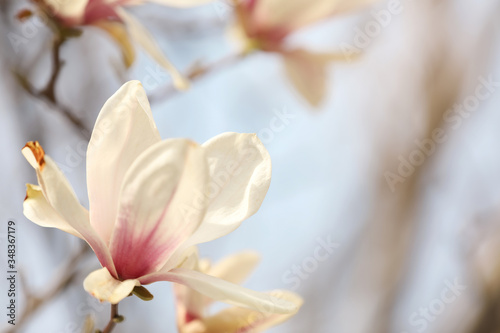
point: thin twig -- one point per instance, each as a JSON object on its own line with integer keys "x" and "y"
{"x": 67, "y": 275}
{"x": 196, "y": 73}
{"x": 488, "y": 319}
{"x": 82, "y": 129}
{"x": 48, "y": 94}
{"x": 115, "y": 318}
{"x": 57, "y": 64}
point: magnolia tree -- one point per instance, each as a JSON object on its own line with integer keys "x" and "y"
{"x": 152, "y": 201}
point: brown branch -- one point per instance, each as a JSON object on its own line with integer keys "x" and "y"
{"x": 487, "y": 283}
{"x": 82, "y": 129}
{"x": 390, "y": 231}
{"x": 489, "y": 318}
{"x": 48, "y": 94}
{"x": 198, "y": 72}
{"x": 57, "y": 64}
{"x": 115, "y": 318}
{"x": 68, "y": 274}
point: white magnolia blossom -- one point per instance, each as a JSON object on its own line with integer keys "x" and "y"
{"x": 152, "y": 200}
{"x": 110, "y": 15}
{"x": 291, "y": 15}
{"x": 193, "y": 308}
{"x": 266, "y": 24}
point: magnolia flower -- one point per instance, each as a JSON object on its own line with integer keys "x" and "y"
{"x": 192, "y": 307}
{"x": 152, "y": 200}
{"x": 266, "y": 24}
{"x": 110, "y": 16}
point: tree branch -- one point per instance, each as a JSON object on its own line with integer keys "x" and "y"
{"x": 48, "y": 94}
{"x": 115, "y": 318}
{"x": 57, "y": 64}
{"x": 197, "y": 72}
{"x": 67, "y": 273}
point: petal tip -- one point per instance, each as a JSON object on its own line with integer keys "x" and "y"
{"x": 29, "y": 191}
{"x": 286, "y": 301}
{"x": 181, "y": 83}
{"x": 104, "y": 287}
{"x": 34, "y": 154}
{"x": 133, "y": 85}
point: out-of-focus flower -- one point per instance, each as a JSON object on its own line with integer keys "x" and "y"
{"x": 265, "y": 25}
{"x": 192, "y": 307}
{"x": 152, "y": 200}
{"x": 110, "y": 16}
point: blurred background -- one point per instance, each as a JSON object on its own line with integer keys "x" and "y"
{"x": 395, "y": 175}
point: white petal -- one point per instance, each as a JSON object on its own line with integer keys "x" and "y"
{"x": 236, "y": 268}
{"x": 224, "y": 291}
{"x": 59, "y": 194}
{"x": 68, "y": 8}
{"x": 104, "y": 287}
{"x": 308, "y": 73}
{"x": 181, "y": 3}
{"x": 141, "y": 36}
{"x": 240, "y": 175}
{"x": 191, "y": 304}
{"x": 195, "y": 326}
{"x": 346, "y": 6}
{"x": 119, "y": 33}
{"x": 234, "y": 320}
{"x": 190, "y": 259}
{"x": 291, "y": 15}
{"x": 38, "y": 210}
{"x": 162, "y": 202}
{"x": 123, "y": 130}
